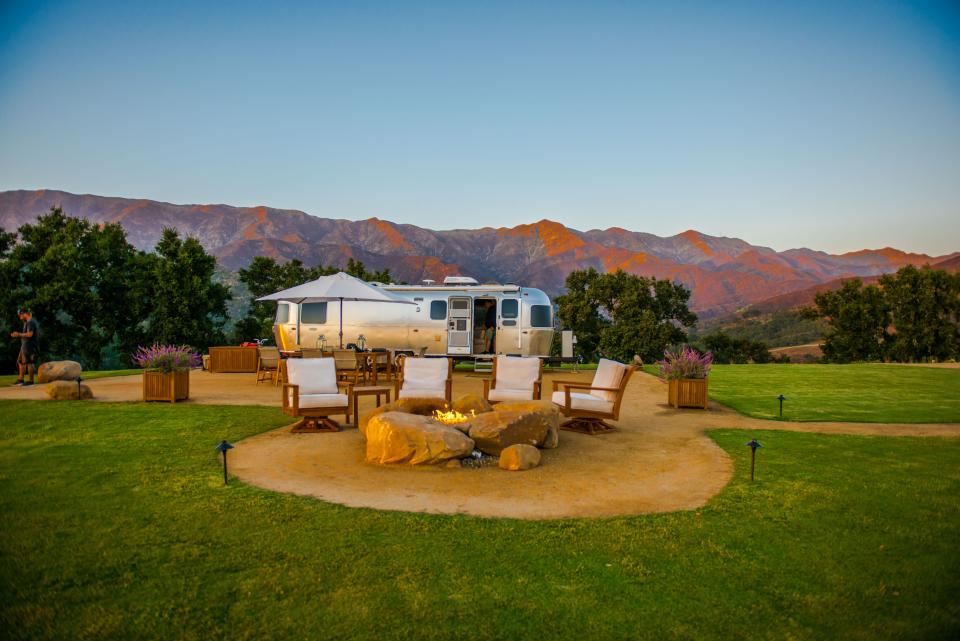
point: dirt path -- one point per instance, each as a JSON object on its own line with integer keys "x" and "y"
{"x": 659, "y": 460}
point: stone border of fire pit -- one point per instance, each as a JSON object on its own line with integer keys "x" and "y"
{"x": 406, "y": 431}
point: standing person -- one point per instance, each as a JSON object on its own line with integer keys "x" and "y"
{"x": 29, "y": 347}
{"x": 490, "y": 325}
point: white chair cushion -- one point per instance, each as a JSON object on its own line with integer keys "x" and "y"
{"x": 323, "y": 400}
{"x": 313, "y": 375}
{"x": 517, "y": 373}
{"x": 423, "y": 392}
{"x": 609, "y": 374}
{"x": 507, "y": 394}
{"x": 579, "y": 401}
{"x": 425, "y": 373}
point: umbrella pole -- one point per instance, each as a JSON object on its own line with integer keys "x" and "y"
{"x": 341, "y": 323}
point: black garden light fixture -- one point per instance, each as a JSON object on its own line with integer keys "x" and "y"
{"x": 753, "y": 445}
{"x": 79, "y": 395}
{"x": 781, "y": 398}
{"x": 222, "y": 448}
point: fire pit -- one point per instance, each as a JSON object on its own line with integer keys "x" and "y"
{"x": 428, "y": 431}
{"x": 452, "y": 417}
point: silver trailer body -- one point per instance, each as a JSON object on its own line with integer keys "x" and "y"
{"x": 445, "y": 319}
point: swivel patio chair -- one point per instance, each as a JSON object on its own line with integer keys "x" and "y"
{"x": 425, "y": 378}
{"x": 514, "y": 379}
{"x": 315, "y": 394}
{"x": 586, "y": 410}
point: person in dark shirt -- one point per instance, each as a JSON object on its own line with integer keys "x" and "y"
{"x": 29, "y": 347}
{"x": 490, "y": 326}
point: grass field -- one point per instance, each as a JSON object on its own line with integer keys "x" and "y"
{"x": 872, "y": 393}
{"x": 116, "y": 525}
{"x": 10, "y": 379}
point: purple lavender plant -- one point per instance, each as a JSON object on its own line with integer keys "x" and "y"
{"x": 166, "y": 358}
{"x": 686, "y": 363}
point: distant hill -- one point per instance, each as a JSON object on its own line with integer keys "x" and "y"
{"x": 724, "y": 274}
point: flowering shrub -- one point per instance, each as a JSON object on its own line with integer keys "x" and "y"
{"x": 686, "y": 363}
{"x": 166, "y": 358}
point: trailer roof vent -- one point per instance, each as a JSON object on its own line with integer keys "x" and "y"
{"x": 459, "y": 280}
{"x": 428, "y": 281}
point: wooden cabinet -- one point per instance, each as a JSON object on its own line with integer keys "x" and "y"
{"x": 233, "y": 359}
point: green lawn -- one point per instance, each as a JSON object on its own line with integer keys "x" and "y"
{"x": 870, "y": 393}
{"x": 116, "y": 525}
{"x": 10, "y": 379}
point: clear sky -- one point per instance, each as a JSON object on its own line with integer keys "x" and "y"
{"x": 833, "y": 125}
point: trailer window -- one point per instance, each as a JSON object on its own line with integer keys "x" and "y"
{"x": 540, "y": 316}
{"x": 313, "y": 313}
{"x": 509, "y": 307}
{"x": 283, "y": 313}
{"x": 438, "y": 310}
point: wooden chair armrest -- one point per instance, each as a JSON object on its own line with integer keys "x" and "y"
{"x": 295, "y": 407}
{"x": 558, "y": 383}
{"x": 584, "y": 386}
{"x": 537, "y": 390}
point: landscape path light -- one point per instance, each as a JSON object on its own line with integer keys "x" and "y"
{"x": 753, "y": 445}
{"x": 79, "y": 396}
{"x": 222, "y": 448}
{"x": 781, "y": 398}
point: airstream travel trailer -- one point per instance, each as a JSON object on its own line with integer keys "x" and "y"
{"x": 445, "y": 319}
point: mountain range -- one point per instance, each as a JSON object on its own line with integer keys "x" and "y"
{"x": 723, "y": 274}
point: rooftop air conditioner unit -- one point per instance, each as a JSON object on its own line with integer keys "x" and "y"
{"x": 459, "y": 281}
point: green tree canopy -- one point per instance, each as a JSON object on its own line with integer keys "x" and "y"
{"x": 82, "y": 282}
{"x": 187, "y": 306}
{"x": 728, "y": 349}
{"x": 909, "y": 316}
{"x": 858, "y": 318}
{"x": 924, "y": 306}
{"x": 619, "y": 314}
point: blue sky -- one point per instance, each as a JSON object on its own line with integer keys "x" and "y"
{"x": 833, "y": 125}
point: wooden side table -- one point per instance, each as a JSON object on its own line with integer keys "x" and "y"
{"x": 368, "y": 390}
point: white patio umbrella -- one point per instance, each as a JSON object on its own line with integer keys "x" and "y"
{"x": 339, "y": 287}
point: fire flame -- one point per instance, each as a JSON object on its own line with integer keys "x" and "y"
{"x": 452, "y": 417}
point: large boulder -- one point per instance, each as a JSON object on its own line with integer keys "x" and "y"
{"x": 495, "y": 431}
{"x": 58, "y": 371}
{"x": 471, "y": 403}
{"x": 549, "y": 414}
{"x": 399, "y": 437}
{"x": 420, "y": 406}
{"x": 68, "y": 391}
{"x": 519, "y": 457}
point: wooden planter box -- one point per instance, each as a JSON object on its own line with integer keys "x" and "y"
{"x": 688, "y": 392}
{"x": 233, "y": 359}
{"x": 163, "y": 386}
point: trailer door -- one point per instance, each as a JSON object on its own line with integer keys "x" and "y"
{"x": 508, "y": 327}
{"x": 460, "y": 325}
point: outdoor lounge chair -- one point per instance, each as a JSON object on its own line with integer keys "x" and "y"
{"x": 586, "y": 406}
{"x": 268, "y": 362}
{"x": 314, "y": 393}
{"x": 514, "y": 379}
{"x": 425, "y": 378}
